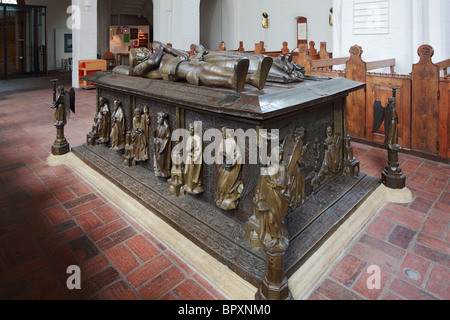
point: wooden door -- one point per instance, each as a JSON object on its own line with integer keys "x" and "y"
{"x": 16, "y": 41}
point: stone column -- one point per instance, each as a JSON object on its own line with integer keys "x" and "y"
{"x": 84, "y": 34}
{"x": 177, "y": 22}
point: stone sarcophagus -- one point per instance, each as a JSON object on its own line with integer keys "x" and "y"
{"x": 262, "y": 179}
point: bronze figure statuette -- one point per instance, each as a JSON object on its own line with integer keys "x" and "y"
{"x": 64, "y": 104}
{"x": 128, "y": 158}
{"x": 297, "y": 181}
{"x": 273, "y": 195}
{"x": 93, "y": 136}
{"x": 176, "y": 181}
{"x": 266, "y": 228}
{"x": 118, "y": 127}
{"x": 351, "y": 165}
{"x": 162, "y": 146}
{"x": 332, "y": 164}
{"x": 230, "y": 186}
{"x": 139, "y": 136}
{"x": 272, "y": 201}
{"x": 193, "y": 174}
{"x": 104, "y": 121}
{"x": 392, "y": 176}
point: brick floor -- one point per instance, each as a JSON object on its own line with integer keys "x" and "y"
{"x": 51, "y": 218}
{"x": 400, "y": 237}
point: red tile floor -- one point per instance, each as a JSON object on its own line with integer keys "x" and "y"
{"x": 51, "y": 218}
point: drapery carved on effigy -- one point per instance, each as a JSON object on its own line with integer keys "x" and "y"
{"x": 222, "y": 68}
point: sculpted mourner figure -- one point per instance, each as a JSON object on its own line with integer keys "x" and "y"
{"x": 163, "y": 146}
{"x": 273, "y": 195}
{"x": 104, "y": 121}
{"x": 297, "y": 190}
{"x": 230, "y": 186}
{"x": 193, "y": 171}
{"x": 139, "y": 137}
{"x": 64, "y": 104}
{"x": 118, "y": 127}
{"x": 222, "y": 69}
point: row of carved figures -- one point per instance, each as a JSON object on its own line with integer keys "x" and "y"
{"x": 185, "y": 174}
{"x": 278, "y": 194}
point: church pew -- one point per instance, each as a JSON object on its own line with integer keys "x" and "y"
{"x": 416, "y": 135}
{"x": 443, "y": 66}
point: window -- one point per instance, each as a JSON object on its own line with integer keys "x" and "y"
{"x": 8, "y": 1}
{"x": 371, "y": 17}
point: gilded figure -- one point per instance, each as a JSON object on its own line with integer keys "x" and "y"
{"x": 162, "y": 146}
{"x": 272, "y": 198}
{"x": 297, "y": 181}
{"x": 176, "y": 181}
{"x": 139, "y": 138}
{"x": 104, "y": 121}
{"x": 230, "y": 186}
{"x": 333, "y": 159}
{"x": 193, "y": 174}
{"x": 118, "y": 127}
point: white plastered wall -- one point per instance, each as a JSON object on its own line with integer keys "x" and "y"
{"x": 412, "y": 23}
{"x": 177, "y": 22}
{"x": 84, "y": 39}
{"x": 234, "y": 20}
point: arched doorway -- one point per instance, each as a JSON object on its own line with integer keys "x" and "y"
{"x": 211, "y": 23}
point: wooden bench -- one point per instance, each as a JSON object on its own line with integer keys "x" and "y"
{"x": 443, "y": 66}
{"x": 422, "y": 97}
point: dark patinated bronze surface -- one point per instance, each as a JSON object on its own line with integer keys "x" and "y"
{"x": 310, "y": 119}
{"x": 64, "y": 104}
{"x": 392, "y": 176}
{"x": 219, "y": 234}
{"x": 252, "y": 104}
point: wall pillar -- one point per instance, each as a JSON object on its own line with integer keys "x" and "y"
{"x": 84, "y": 34}
{"x": 177, "y": 22}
